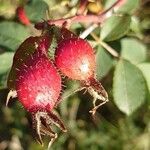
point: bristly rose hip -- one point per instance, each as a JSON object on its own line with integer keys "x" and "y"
{"x": 37, "y": 85}
{"x": 76, "y": 59}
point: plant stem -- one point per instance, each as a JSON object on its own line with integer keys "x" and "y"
{"x": 68, "y": 21}
{"x": 81, "y": 18}
{"x": 87, "y": 31}
{"x": 106, "y": 46}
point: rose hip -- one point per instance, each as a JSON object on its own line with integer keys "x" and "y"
{"x": 37, "y": 85}
{"x": 76, "y": 59}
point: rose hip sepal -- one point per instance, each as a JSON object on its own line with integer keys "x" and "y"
{"x": 38, "y": 87}
{"x": 76, "y": 59}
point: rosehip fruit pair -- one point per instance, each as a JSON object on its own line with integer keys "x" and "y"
{"x": 35, "y": 80}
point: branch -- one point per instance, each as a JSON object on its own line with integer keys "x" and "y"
{"x": 81, "y": 18}
{"x": 88, "y": 30}
{"x": 106, "y": 46}
{"x": 71, "y": 20}
{"x": 107, "y": 13}
{"x": 115, "y": 6}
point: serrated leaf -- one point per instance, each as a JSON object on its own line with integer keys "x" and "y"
{"x": 115, "y": 27}
{"x": 129, "y": 7}
{"x": 133, "y": 50}
{"x": 5, "y": 61}
{"x": 3, "y": 78}
{"x": 52, "y": 48}
{"x": 36, "y": 10}
{"x": 12, "y": 34}
{"x": 129, "y": 87}
{"x": 5, "y": 64}
{"x": 145, "y": 68}
{"x": 135, "y": 25}
{"x": 104, "y": 62}
{"x": 108, "y": 3}
{"x": 7, "y": 8}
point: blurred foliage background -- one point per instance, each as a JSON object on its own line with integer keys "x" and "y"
{"x": 124, "y": 122}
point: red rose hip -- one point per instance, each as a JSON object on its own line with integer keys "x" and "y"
{"x": 75, "y": 58}
{"x": 38, "y": 87}
{"x": 25, "y": 50}
{"x": 38, "y": 84}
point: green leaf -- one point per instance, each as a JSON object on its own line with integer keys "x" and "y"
{"x": 135, "y": 25}
{"x": 12, "y": 34}
{"x": 3, "y": 78}
{"x": 104, "y": 62}
{"x": 52, "y": 48}
{"x": 145, "y": 23}
{"x": 108, "y": 3}
{"x": 5, "y": 64}
{"x": 129, "y": 87}
{"x": 5, "y": 61}
{"x": 133, "y": 50}
{"x": 145, "y": 68}
{"x": 36, "y": 10}
{"x": 115, "y": 27}
{"x": 129, "y": 7}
